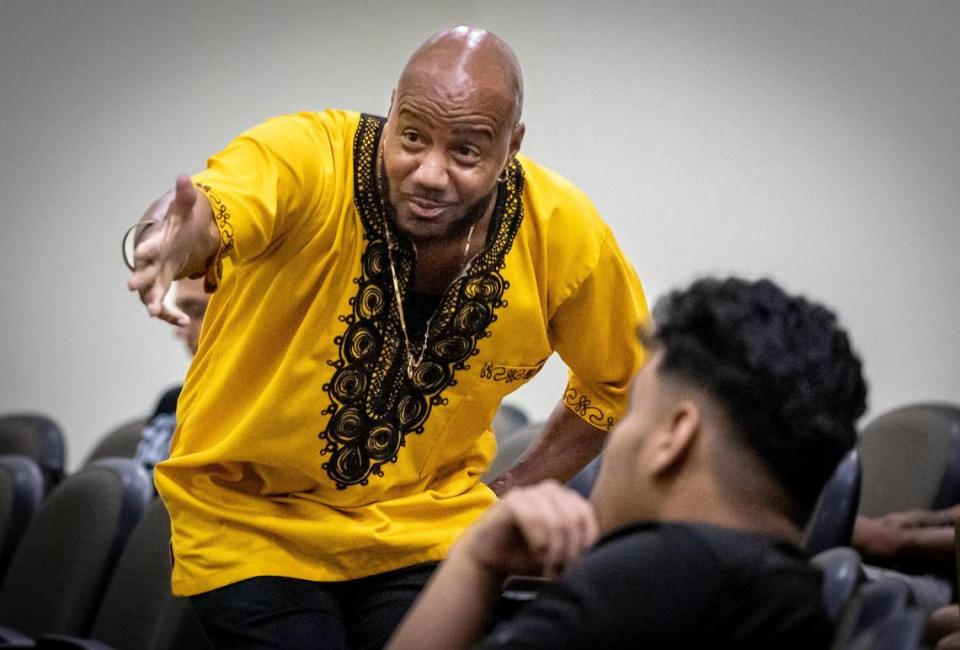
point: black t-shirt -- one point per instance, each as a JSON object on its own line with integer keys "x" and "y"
{"x": 676, "y": 585}
{"x": 167, "y": 404}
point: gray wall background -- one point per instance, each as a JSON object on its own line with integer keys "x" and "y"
{"x": 816, "y": 142}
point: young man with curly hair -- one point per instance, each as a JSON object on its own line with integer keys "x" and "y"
{"x": 747, "y": 403}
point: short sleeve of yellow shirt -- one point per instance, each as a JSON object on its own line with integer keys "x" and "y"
{"x": 303, "y": 447}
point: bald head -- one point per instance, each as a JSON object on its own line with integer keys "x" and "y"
{"x": 472, "y": 58}
{"x": 451, "y": 134}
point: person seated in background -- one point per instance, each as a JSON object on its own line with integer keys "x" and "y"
{"x": 746, "y": 404}
{"x": 154, "y": 446}
{"x": 943, "y": 629}
{"x": 915, "y": 541}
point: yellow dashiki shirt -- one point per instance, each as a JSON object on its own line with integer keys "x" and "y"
{"x": 303, "y": 449}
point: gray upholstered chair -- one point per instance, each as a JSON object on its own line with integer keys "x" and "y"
{"x": 874, "y": 603}
{"x": 138, "y": 609}
{"x": 842, "y": 576}
{"x": 36, "y": 436}
{"x": 119, "y": 442}
{"x": 511, "y": 448}
{"x": 508, "y": 419}
{"x": 831, "y": 523}
{"x": 21, "y": 490}
{"x": 60, "y": 568}
{"x": 911, "y": 459}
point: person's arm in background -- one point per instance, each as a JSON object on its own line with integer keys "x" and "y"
{"x": 917, "y": 539}
{"x": 535, "y": 530}
{"x": 181, "y": 243}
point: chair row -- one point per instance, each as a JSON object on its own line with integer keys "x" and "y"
{"x": 40, "y": 438}
{"x": 92, "y": 567}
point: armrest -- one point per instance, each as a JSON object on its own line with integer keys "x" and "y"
{"x": 11, "y": 638}
{"x": 64, "y": 642}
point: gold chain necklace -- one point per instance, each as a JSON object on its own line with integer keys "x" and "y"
{"x": 412, "y": 362}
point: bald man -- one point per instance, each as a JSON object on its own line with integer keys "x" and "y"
{"x": 391, "y": 281}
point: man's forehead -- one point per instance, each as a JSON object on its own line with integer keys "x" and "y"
{"x": 466, "y": 109}
{"x": 465, "y": 64}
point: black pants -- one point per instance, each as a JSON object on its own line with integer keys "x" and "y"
{"x": 287, "y": 613}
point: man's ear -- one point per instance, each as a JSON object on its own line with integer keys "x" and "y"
{"x": 516, "y": 139}
{"x": 675, "y": 438}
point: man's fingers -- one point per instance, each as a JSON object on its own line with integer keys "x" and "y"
{"x": 186, "y": 194}
{"x": 153, "y": 299}
{"x": 174, "y": 316}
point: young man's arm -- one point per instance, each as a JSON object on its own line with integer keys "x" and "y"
{"x": 536, "y": 530}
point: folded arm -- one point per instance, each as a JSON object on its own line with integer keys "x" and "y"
{"x": 534, "y": 530}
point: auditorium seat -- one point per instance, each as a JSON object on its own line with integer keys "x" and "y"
{"x": 842, "y": 576}
{"x": 138, "y": 609}
{"x": 508, "y": 419}
{"x": 511, "y": 448}
{"x": 21, "y": 490}
{"x": 119, "y": 442}
{"x": 61, "y": 567}
{"x": 874, "y": 603}
{"x": 835, "y": 513}
{"x": 36, "y": 436}
{"x": 911, "y": 459}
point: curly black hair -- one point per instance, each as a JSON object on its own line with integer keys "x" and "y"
{"x": 781, "y": 366}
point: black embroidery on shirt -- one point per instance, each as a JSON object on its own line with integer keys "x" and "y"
{"x": 374, "y": 405}
{"x": 583, "y": 406}
{"x": 221, "y": 215}
{"x": 509, "y": 374}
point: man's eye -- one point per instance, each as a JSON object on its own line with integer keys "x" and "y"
{"x": 411, "y": 137}
{"x": 467, "y": 153}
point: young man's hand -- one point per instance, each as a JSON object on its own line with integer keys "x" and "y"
{"x": 533, "y": 530}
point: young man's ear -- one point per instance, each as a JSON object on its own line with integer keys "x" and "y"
{"x": 675, "y": 438}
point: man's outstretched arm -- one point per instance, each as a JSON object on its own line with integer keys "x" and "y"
{"x": 180, "y": 243}
{"x": 535, "y": 530}
{"x": 566, "y": 444}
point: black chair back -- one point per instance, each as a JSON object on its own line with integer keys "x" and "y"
{"x": 831, "y": 524}
{"x": 583, "y": 481}
{"x": 38, "y": 437}
{"x": 120, "y": 442}
{"x": 873, "y": 603}
{"x": 842, "y": 576}
{"x": 138, "y": 609}
{"x": 21, "y": 490}
{"x": 901, "y": 631}
{"x": 61, "y": 567}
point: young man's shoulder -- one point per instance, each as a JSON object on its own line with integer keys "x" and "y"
{"x": 682, "y": 583}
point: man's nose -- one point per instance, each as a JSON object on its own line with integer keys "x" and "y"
{"x": 431, "y": 173}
